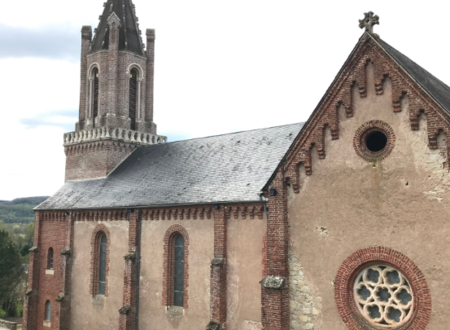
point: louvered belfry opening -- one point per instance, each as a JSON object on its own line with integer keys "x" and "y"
{"x": 178, "y": 271}
{"x": 133, "y": 98}
{"x": 95, "y": 83}
{"x": 102, "y": 265}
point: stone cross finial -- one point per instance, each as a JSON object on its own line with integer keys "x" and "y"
{"x": 369, "y": 21}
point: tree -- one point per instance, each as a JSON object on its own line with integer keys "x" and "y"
{"x": 10, "y": 267}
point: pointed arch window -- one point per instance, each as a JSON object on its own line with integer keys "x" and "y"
{"x": 93, "y": 94}
{"x": 50, "y": 259}
{"x": 48, "y": 311}
{"x": 102, "y": 264}
{"x": 134, "y": 97}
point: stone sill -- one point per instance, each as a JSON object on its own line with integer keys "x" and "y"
{"x": 47, "y": 324}
{"x": 49, "y": 272}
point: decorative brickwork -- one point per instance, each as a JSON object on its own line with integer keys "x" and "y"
{"x": 95, "y": 258}
{"x": 168, "y": 265}
{"x": 361, "y": 135}
{"x": 353, "y": 74}
{"x": 354, "y": 264}
{"x": 275, "y": 302}
{"x": 218, "y": 283}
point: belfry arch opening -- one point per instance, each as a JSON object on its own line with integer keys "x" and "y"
{"x": 133, "y": 97}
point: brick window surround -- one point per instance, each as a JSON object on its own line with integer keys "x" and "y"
{"x": 362, "y": 133}
{"x": 50, "y": 258}
{"x": 95, "y": 258}
{"x": 169, "y": 262}
{"x": 354, "y": 264}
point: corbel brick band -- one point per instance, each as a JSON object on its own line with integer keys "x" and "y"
{"x": 127, "y": 319}
{"x": 275, "y": 299}
{"x": 218, "y": 284}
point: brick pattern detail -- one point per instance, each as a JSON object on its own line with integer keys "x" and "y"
{"x": 95, "y": 258}
{"x": 127, "y": 319}
{"x": 95, "y": 160}
{"x": 359, "y": 141}
{"x": 264, "y": 257}
{"x": 218, "y": 284}
{"x": 275, "y": 303}
{"x": 168, "y": 265}
{"x": 345, "y": 278}
{"x": 51, "y": 230}
{"x": 340, "y": 94}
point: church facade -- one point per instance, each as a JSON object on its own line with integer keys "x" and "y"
{"x": 337, "y": 223}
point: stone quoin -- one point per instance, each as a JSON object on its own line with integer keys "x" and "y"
{"x": 337, "y": 223}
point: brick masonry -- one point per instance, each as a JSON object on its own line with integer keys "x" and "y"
{"x": 350, "y": 268}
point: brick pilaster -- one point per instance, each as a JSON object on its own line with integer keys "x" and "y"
{"x": 31, "y": 301}
{"x": 86, "y": 37}
{"x": 65, "y": 285}
{"x": 218, "y": 284}
{"x": 275, "y": 293}
{"x": 127, "y": 320}
{"x": 148, "y": 117}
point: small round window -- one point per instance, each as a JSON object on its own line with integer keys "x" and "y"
{"x": 374, "y": 140}
{"x": 383, "y": 296}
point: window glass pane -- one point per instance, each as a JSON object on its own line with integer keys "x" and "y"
{"x": 48, "y": 310}
{"x": 102, "y": 265}
{"x": 179, "y": 271}
{"x": 50, "y": 258}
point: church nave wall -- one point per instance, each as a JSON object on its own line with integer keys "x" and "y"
{"x": 349, "y": 203}
{"x": 98, "y": 311}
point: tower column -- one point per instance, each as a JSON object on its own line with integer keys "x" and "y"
{"x": 86, "y": 37}
{"x": 109, "y": 118}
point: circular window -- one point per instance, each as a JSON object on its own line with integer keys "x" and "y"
{"x": 374, "y": 140}
{"x": 380, "y": 288}
{"x": 383, "y": 296}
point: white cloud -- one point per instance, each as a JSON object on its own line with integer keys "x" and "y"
{"x": 220, "y": 67}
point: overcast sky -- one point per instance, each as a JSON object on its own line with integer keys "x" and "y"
{"x": 221, "y": 66}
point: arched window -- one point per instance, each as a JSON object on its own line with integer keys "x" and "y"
{"x": 93, "y": 94}
{"x": 48, "y": 311}
{"x": 133, "y": 97}
{"x": 178, "y": 271}
{"x": 50, "y": 259}
{"x": 102, "y": 264}
{"x": 176, "y": 267}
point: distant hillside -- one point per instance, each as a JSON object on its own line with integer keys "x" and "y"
{"x": 19, "y": 210}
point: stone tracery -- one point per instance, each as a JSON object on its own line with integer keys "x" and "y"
{"x": 383, "y": 296}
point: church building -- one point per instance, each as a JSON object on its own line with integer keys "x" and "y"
{"x": 338, "y": 223}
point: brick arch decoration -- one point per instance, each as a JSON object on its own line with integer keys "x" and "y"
{"x": 350, "y": 268}
{"x": 168, "y": 264}
{"x": 364, "y": 131}
{"x": 95, "y": 258}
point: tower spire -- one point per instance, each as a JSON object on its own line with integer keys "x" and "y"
{"x": 129, "y": 33}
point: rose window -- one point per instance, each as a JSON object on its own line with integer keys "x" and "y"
{"x": 383, "y": 296}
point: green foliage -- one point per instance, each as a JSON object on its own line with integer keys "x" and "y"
{"x": 2, "y": 314}
{"x": 19, "y": 310}
{"x": 10, "y": 267}
{"x": 19, "y": 210}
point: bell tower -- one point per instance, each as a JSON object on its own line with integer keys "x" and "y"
{"x": 116, "y": 94}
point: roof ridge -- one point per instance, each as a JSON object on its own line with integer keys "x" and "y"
{"x": 213, "y": 136}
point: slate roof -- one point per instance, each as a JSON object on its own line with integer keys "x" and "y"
{"x": 438, "y": 90}
{"x": 129, "y": 35}
{"x": 217, "y": 169}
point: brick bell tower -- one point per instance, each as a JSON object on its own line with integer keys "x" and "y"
{"x": 116, "y": 94}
